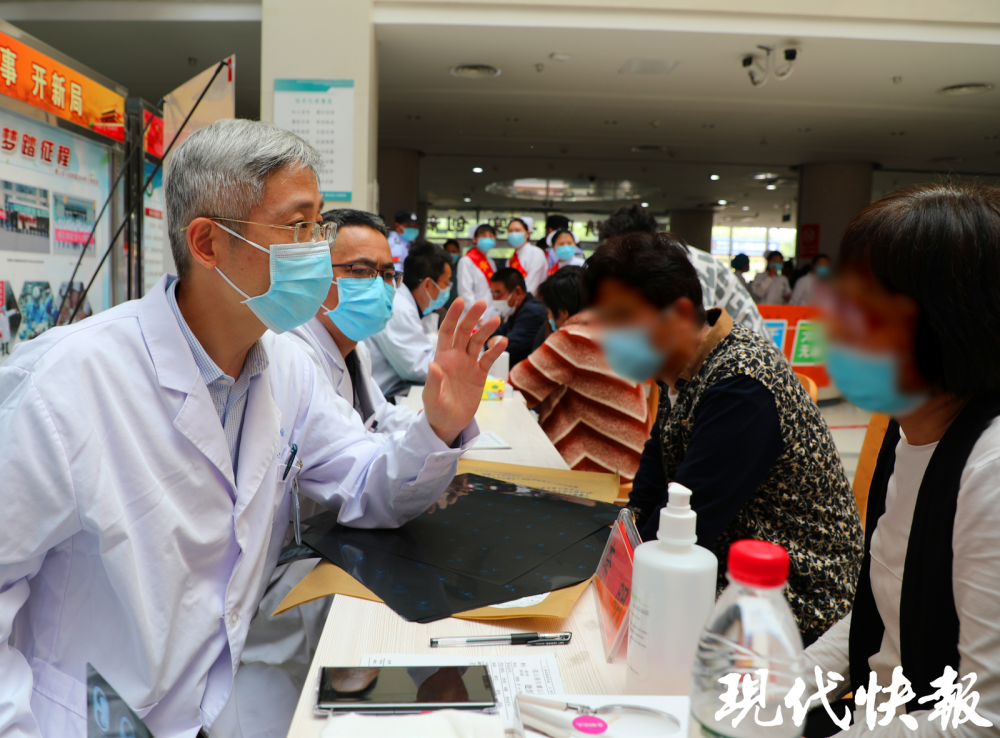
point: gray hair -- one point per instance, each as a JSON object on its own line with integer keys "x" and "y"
{"x": 221, "y": 170}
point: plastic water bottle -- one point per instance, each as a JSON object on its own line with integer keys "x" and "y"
{"x": 673, "y": 590}
{"x": 750, "y": 628}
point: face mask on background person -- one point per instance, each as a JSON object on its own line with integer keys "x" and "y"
{"x": 364, "y": 307}
{"x": 410, "y": 234}
{"x": 300, "y": 278}
{"x": 516, "y": 239}
{"x": 485, "y": 244}
{"x": 565, "y": 253}
{"x": 871, "y": 380}
{"x": 454, "y": 257}
{"x": 552, "y": 324}
{"x": 776, "y": 265}
{"x": 502, "y": 307}
{"x": 823, "y": 272}
{"x": 438, "y": 302}
{"x": 631, "y": 354}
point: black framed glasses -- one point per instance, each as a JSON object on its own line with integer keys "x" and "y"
{"x": 361, "y": 271}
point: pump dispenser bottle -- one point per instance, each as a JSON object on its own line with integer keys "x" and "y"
{"x": 673, "y": 592}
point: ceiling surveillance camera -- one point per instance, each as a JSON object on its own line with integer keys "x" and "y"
{"x": 747, "y": 61}
{"x": 791, "y": 54}
{"x": 783, "y": 71}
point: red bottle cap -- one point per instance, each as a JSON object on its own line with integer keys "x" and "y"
{"x": 758, "y": 563}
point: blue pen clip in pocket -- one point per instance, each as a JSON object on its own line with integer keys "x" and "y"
{"x": 296, "y": 513}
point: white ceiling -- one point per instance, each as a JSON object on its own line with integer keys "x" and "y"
{"x": 582, "y": 118}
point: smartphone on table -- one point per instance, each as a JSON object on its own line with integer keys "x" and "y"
{"x": 402, "y": 689}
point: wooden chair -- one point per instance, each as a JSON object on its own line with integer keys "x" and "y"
{"x": 874, "y": 436}
{"x": 810, "y": 384}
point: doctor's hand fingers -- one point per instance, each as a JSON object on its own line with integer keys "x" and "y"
{"x": 480, "y": 336}
{"x": 464, "y": 331}
{"x": 493, "y": 354}
{"x": 447, "y": 330}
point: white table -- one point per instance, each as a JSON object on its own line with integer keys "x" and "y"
{"x": 358, "y": 627}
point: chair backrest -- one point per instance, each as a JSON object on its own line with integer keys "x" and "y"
{"x": 877, "y": 427}
{"x": 810, "y": 384}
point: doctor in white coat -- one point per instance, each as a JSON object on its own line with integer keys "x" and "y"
{"x": 403, "y": 350}
{"x": 143, "y": 451}
{"x": 528, "y": 259}
{"x": 476, "y": 268}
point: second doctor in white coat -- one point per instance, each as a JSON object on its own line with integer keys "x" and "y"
{"x": 142, "y": 451}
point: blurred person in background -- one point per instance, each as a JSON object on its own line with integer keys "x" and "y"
{"x": 742, "y": 433}
{"x": 476, "y": 268}
{"x": 523, "y": 314}
{"x": 528, "y": 259}
{"x": 405, "y": 231}
{"x": 566, "y": 248}
{"x": 804, "y": 291}
{"x": 770, "y": 287}
{"x": 454, "y": 249}
{"x": 403, "y": 350}
{"x": 914, "y": 335}
{"x": 741, "y": 265}
{"x": 596, "y": 419}
{"x": 719, "y": 286}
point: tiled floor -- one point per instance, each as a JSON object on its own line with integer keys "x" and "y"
{"x": 848, "y": 424}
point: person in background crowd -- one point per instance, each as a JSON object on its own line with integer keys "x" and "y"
{"x": 522, "y": 312}
{"x": 596, "y": 419}
{"x": 914, "y": 335}
{"x": 565, "y": 247}
{"x": 741, "y": 265}
{"x": 719, "y": 286}
{"x": 528, "y": 259}
{"x": 356, "y": 307}
{"x": 804, "y": 292}
{"x": 553, "y": 223}
{"x": 454, "y": 249}
{"x": 403, "y": 350}
{"x": 771, "y": 287}
{"x": 405, "y": 231}
{"x": 476, "y": 268}
{"x": 742, "y": 434}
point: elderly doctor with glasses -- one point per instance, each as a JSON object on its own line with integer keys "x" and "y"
{"x": 143, "y": 452}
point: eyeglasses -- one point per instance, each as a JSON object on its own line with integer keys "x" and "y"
{"x": 360, "y": 271}
{"x": 302, "y": 232}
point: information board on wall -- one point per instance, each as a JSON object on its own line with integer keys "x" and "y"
{"x": 321, "y": 111}
{"x": 52, "y": 185}
{"x": 157, "y": 259}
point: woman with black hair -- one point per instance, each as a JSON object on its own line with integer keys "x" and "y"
{"x": 914, "y": 331}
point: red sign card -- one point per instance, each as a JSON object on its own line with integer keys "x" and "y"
{"x": 614, "y": 583}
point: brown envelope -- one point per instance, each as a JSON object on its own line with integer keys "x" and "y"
{"x": 327, "y": 579}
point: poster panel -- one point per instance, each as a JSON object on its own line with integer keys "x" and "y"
{"x": 52, "y": 184}
{"x": 219, "y": 102}
{"x": 156, "y": 257}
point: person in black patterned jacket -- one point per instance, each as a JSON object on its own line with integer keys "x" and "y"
{"x": 742, "y": 433}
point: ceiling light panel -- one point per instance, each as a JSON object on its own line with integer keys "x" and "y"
{"x": 648, "y": 66}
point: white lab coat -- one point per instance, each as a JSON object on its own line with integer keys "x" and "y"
{"x": 404, "y": 349}
{"x": 319, "y": 346}
{"x": 473, "y": 285}
{"x": 804, "y": 292}
{"x": 146, "y": 556}
{"x": 535, "y": 264}
{"x": 768, "y": 290}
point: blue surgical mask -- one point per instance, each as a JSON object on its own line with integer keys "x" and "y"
{"x": 410, "y": 234}
{"x": 364, "y": 307}
{"x": 552, "y": 324}
{"x": 630, "y": 354}
{"x": 776, "y": 265}
{"x": 516, "y": 239}
{"x": 300, "y": 279}
{"x": 870, "y": 380}
{"x": 438, "y": 302}
{"x": 485, "y": 244}
{"x": 823, "y": 271}
{"x": 565, "y": 253}
{"x": 454, "y": 257}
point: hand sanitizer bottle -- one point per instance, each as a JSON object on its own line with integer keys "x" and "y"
{"x": 673, "y": 592}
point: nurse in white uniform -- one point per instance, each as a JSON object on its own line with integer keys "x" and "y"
{"x": 528, "y": 259}
{"x": 143, "y": 451}
{"x": 403, "y": 350}
{"x": 476, "y": 268}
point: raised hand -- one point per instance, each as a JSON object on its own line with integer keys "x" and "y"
{"x": 456, "y": 377}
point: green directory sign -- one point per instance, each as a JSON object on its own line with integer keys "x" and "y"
{"x": 810, "y": 344}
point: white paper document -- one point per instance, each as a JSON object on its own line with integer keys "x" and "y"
{"x": 536, "y": 674}
{"x": 490, "y": 441}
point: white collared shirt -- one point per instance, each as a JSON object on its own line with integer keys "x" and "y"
{"x": 318, "y": 344}
{"x": 473, "y": 285}
{"x": 404, "y": 349}
{"x": 127, "y": 541}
